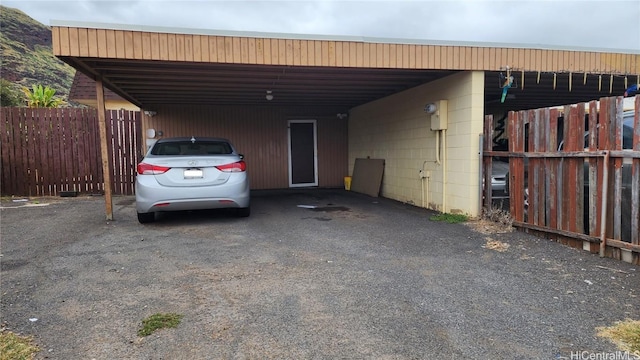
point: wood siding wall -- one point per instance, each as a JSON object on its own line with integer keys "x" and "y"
{"x": 260, "y": 133}
{"x": 143, "y": 45}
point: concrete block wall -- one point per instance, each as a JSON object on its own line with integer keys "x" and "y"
{"x": 397, "y": 129}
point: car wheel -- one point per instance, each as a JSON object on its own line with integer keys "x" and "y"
{"x": 144, "y": 218}
{"x": 243, "y": 212}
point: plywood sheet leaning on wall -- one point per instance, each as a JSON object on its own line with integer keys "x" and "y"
{"x": 367, "y": 176}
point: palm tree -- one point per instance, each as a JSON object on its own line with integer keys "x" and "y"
{"x": 41, "y": 97}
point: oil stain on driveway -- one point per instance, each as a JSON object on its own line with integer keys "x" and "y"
{"x": 311, "y": 274}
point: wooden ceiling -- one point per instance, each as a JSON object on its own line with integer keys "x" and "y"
{"x": 551, "y": 89}
{"x": 150, "y": 83}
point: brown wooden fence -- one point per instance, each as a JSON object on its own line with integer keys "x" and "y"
{"x": 46, "y": 151}
{"x": 571, "y": 179}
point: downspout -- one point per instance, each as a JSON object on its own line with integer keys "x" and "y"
{"x": 422, "y": 184}
{"x": 444, "y": 171}
{"x": 422, "y": 180}
{"x": 481, "y": 180}
{"x": 603, "y": 210}
{"x": 428, "y": 180}
{"x": 438, "y": 147}
{"x": 422, "y": 188}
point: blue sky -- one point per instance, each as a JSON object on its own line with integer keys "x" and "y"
{"x": 597, "y": 24}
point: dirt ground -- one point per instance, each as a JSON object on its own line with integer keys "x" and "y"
{"x": 342, "y": 276}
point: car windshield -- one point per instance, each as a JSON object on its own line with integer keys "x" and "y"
{"x": 178, "y": 148}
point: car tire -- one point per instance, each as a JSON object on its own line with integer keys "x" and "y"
{"x": 243, "y": 212}
{"x": 144, "y": 218}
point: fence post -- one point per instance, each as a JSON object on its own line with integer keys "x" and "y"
{"x": 106, "y": 172}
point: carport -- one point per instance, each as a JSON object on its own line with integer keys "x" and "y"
{"x": 362, "y": 98}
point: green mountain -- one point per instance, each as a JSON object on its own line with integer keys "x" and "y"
{"x": 26, "y": 56}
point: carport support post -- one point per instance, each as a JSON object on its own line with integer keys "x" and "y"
{"x": 104, "y": 150}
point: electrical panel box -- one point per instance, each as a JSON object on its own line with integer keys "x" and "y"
{"x": 439, "y": 118}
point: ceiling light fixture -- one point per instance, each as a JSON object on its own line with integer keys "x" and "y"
{"x": 269, "y": 95}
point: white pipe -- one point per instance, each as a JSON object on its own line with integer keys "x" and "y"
{"x": 482, "y": 175}
{"x": 444, "y": 171}
{"x": 438, "y": 147}
{"x": 428, "y": 180}
{"x": 422, "y": 194}
{"x": 422, "y": 177}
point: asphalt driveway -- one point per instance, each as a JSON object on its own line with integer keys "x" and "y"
{"x": 353, "y": 278}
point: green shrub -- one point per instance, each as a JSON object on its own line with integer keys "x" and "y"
{"x": 450, "y": 218}
{"x": 159, "y": 321}
{"x": 9, "y": 96}
{"x": 14, "y": 347}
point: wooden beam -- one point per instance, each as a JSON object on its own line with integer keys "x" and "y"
{"x": 565, "y": 233}
{"x": 104, "y": 150}
{"x": 569, "y": 234}
{"x": 623, "y": 245}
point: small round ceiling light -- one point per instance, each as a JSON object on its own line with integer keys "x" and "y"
{"x": 269, "y": 95}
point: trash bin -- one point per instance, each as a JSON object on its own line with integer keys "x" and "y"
{"x": 347, "y": 183}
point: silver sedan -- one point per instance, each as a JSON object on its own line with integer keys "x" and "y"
{"x": 193, "y": 173}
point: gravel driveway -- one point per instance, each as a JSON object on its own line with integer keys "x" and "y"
{"x": 354, "y": 278}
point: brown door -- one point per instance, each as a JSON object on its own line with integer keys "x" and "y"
{"x": 303, "y": 165}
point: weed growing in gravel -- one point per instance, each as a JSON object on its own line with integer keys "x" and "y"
{"x": 625, "y": 334}
{"x": 450, "y": 218}
{"x": 15, "y": 347}
{"x": 159, "y": 321}
{"x": 498, "y": 215}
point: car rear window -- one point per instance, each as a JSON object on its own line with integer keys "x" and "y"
{"x": 192, "y": 148}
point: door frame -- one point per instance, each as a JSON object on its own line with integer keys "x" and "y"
{"x": 315, "y": 151}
